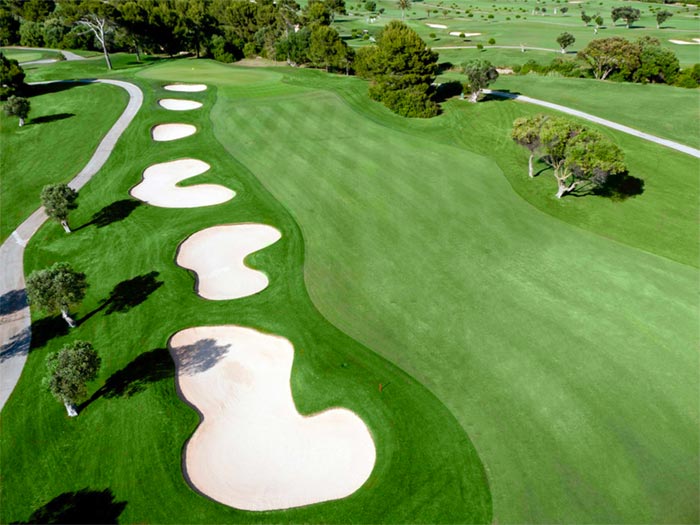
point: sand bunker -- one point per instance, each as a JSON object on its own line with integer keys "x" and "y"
{"x": 466, "y": 35}
{"x": 186, "y": 88}
{"x": 437, "y": 26}
{"x": 176, "y": 104}
{"x": 158, "y": 187}
{"x": 166, "y": 132}
{"x": 685, "y": 42}
{"x": 216, "y": 255}
{"x": 253, "y": 450}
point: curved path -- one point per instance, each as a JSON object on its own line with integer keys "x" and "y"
{"x": 603, "y": 122}
{"x": 504, "y": 47}
{"x": 68, "y": 55}
{"x": 15, "y": 320}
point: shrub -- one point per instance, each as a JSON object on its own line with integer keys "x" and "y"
{"x": 492, "y": 41}
{"x": 370, "y": 5}
{"x": 223, "y": 51}
{"x": 432, "y": 35}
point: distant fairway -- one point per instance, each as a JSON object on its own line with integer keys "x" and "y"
{"x": 537, "y": 357}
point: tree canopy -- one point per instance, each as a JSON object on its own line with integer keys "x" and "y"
{"x": 661, "y": 17}
{"x": 626, "y": 13}
{"x": 58, "y": 200}
{"x": 480, "y": 74}
{"x": 17, "y": 107}
{"x": 526, "y": 133}
{"x": 69, "y": 371}
{"x": 11, "y": 77}
{"x": 565, "y": 40}
{"x": 606, "y": 55}
{"x": 56, "y": 289}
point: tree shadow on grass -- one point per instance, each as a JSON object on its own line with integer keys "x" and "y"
{"x": 54, "y": 87}
{"x": 50, "y": 118}
{"x": 46, "y": 329}
{"x": 83, "y": 506}
{"x": 447, "y": 90}
{"x": 620, "y": 187}
{"x": 147, "y": 368}
{"x": 115, "y": 212}
{"x": 490, "y": 97}
{"x": 128, "y": 294}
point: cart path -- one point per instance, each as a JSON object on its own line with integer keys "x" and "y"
{"x": 15, "y": 320}
{"x": 67, "y": 54}
{"x": 603, "y": 122}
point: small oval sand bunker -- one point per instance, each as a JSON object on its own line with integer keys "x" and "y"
{"x": 216, "y": 255}
{"x": 159, "y": 186}
{"x": 186, "y": 88}
{"x": 167, "y": 132}
{"x": 177, "y": 104}
{"x": 253, "y": 450}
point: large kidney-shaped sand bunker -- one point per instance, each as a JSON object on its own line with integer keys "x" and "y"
{"x": 177, "y": 104}
{"x": 166, "y": 132}
{"x": 253, "y": 450}
{"x": 158, "y": 187}
{"x": 186, "y": 88}
{"x": 216, "y": 255}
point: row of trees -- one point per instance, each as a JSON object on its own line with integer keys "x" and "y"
{"x": 626, "y": 13}
{"x": 580, "y": 158}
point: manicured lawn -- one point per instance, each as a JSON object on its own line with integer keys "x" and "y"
{"x": 26, "y": 55}
{"x": 567, "y": 356}
{"x": 65, "y": 126}
{"x": 558, "y": 336}
{"x": 129, "y": 440}
{"x": 665, "y": 111}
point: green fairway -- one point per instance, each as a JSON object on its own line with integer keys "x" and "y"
{"x": 666, "y": 111}
{"x": 538, "y": 357}
{"x": 64, "y": 127}
{"x": 130, "y": 438}
{"x": 27, "y": 55}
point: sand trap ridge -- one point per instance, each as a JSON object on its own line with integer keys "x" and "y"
{"x": 176, "y": 104}
{"x": 437, "y": 26}
{"x": 216, "y": 255}
{"x": 253, "y": 450}
{"x": 167, "y": 132}
{"x": 159, "y": 186}
{"x": 186, "y": 88}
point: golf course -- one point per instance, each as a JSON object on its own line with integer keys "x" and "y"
{"x": 308, "y": 308}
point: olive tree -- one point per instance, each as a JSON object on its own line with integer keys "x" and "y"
{"x": 17, "y": 107}
{"x": 555, "y": 135}
{"x": 565, "y": 40}
{"x": 526, "y": 133}
{"x": 69, "y": 371}
{"x": 480, "y": 74}
{"x": 56, "y": 289}
{"x": 661, "y": 17}
{"x": 626, "y": 13}
{"x": 58, "y": 200}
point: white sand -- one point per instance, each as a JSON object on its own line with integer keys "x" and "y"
{"x": 186, "y": 88}
{"x": 253, "y": 450}
{"x": 159, "y": 186}
{"x": 216, "y": 255}
{"x": 696, "y": 40}
{"x": 684, "y": 42}
{"x": 176, "y": 104}
{"x": 166, "y": 132}
{"x": 466, "y": 35}
{"x": 437, "y": 26}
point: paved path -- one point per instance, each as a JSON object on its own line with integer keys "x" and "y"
{"x": 67, "y": 54}
{"x": 42, "y": 61}
{"x": 504, "y": 47}
{"x": 15, "y": 320}
{"x": 608, "y": 123}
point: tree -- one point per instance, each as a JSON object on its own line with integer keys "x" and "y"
{"x": 598, "y": 22}
{"x": 96, "y": 17}
{"x": 565, "y": 40}
{"x": 606, "y": 55}
{"x": 586, "y": 19}
{"x": 69, "y": 371}
{"x": 480, "y": 74}
{"x": 326, "y": 49}
{"x": 403, "y": 5}
{"x": 11, "y": 77}
{"x": 9, "y": 28}
{"x": 37, "y": 10}
{"x": 590, "y": 160}
{"x": 17, "y": 107}
{"x": 57, "y": 288}
{"x": 564, "y": 10}
{"x": 526, "y": 133}
{"x": 318, "y": 12}
{"x": 656, "y": 64}
{"x": 661, "y": 17}
{"x": 555, "y": 135}
{"x": 626, "y": 13}
{"x": 58, "y": 200}
{"x": 402, "y": 69}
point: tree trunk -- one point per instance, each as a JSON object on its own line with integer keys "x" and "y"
{"x": 67, "y": 318}
{"x": 21, "y": 121}
{"x": 64, "y": 223}
{"x": 530, "y": 170}
{"x": 658, "y": 26}
{"x": 564, "y": 189}
{"x": 107, "y": 59}
{"x": 563, "y": 50}
{"x": 71, "y": 409}
{"x": 474, "y": 96}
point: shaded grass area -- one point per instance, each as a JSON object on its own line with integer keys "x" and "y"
{"x": 665, "y": 111}
{"x": 555, "y": 347}
{"x": 130, "y": 434}
{"x": 63, "y": 130}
